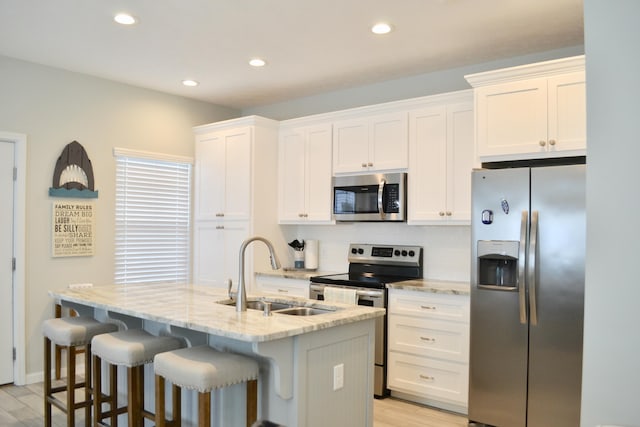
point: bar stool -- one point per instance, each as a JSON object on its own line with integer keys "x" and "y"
{"x": 70, "y": 333}
{"x": 203, "y": 369}
{"x": 133, "y": 349}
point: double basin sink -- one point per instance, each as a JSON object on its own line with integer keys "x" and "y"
{"x": 290, "y": 308}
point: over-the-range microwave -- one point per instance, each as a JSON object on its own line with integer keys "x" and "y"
{"x": 374, "y": 197}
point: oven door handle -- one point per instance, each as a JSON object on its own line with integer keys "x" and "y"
{"x": 359, "y": 292}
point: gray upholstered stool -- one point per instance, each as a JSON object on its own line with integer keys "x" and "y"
{"x": 70, "y": 333}
{"x": 131, "y": 348}
{"x": 203, "y": 369}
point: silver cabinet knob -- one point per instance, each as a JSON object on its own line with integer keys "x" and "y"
{"x": 219, "y": 227}
{"x": 542, "y": 143}
{"x": 370, "y": 164}
{"x": 448, "y": 213}
{"x": 441, "y": 213}
{"x": 552, "y": 142}
{"x": 364, "y": 165}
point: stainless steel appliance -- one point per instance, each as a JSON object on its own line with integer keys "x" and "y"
{"x": 527, "y": 293}
{"x": 378, "y": 197}
{"x": 371, "y": 267}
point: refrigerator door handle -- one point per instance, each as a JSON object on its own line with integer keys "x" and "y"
{"x": 531, "y": 279}
{"x": 521, "y": 267}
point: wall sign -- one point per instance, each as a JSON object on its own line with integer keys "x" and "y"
{"x": 73, "y": 230}
{"x": 73, "y": 175}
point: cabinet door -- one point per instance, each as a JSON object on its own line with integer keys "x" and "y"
{"x": 351, "y": 146}
{"x": 567, "y": 112}
{"x": 318, "y": 193}
{"x": 460, "y": 162}
{"x": 388, "y": 145}
{"x": 427, "y": 166}
{"x": 237, "y": 193}
{"x": 511, "y": 118}
{"x": 292, "y": 164}
{"x": 209, "y": 176}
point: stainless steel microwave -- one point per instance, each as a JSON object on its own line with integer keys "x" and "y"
{"x": 375, "y": 197}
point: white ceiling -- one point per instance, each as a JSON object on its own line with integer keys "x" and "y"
{"x": 311, "y": 46}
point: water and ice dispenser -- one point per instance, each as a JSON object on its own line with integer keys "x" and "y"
{"x": 498, "y": 264}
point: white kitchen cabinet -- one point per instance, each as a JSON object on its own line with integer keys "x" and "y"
{"x": 235, "y": 193}
{"x": 305, "y": 174}
{"x": 441, "y": 157}
{"x": 282, "y": 286}
{"x": 428, "y": 348}
{"x": 370, "y": 143}
{"x": 531, "y": 111}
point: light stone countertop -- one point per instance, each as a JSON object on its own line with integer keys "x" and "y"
{"x": 194, "y": 307}
{"x": 433, "y": 286}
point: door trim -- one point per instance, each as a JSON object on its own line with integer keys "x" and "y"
{"x": 19, "y": 251}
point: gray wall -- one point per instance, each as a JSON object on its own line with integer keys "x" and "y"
{"x": 394, "y": 90}
{"x": 54, "y": 107}
{"x": 611, "y": 375}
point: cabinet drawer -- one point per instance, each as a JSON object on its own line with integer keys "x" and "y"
{"x": 430, "y": 305}
{"x": 429, "y": 378}
{"x": 429, "y": 337}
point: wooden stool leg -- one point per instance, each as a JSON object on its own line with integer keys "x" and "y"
{"x": 177, "y": 405}
{"x": 47, "y": 382}
{"x": 71, "y": 387}
{"x": 97, "y": 390}
{"x": 135, "y": 391}
{"x": 88, "y": 390}
{"x": 204, "y": 409}
{"x": 252, "y": 402}
{"x": 58, "y": 349}
{"x": 113, "y": 394}
{"x": 160, "y": 408}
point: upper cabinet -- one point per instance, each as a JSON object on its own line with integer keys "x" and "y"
{"x": 440, "y": 161}
{"x": 370, "y": 143}
{"x": 531, "y": 111}
{"x": 235, "y": 189}
{"x": 305, "y": 174}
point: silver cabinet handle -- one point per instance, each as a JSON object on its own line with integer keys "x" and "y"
{"x": 432, "y": 340}
{"x": 441, "y": 213}
{"x": 220, "y": 214}
{"x": 427, "y": 307}
{"x": 427, "y": 377}
{"x": 364, "y": 165}
{"x": 522, "y": 293}
{"x": 219, "y": 227}
{"x": 552, "y": 142}
{"x": 370, "y": 164}
{"x": 531, "y": 279}
{"x": 542, "y": 143}
{"x": 448, "y": 213}
{"x": 283, "y": 291}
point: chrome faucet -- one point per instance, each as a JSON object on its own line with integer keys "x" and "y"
{"x": 241, "y": 297}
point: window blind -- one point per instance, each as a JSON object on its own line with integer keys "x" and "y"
{"x": 153, "y": 229}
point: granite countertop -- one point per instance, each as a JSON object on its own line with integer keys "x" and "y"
{"x": 433, "y": 286}
{"x": 194, "y": 307}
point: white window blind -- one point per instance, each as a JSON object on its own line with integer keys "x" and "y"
{"x": 153, "y": 226}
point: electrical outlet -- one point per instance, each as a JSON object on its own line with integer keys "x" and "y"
{"x": 338, "y": 377}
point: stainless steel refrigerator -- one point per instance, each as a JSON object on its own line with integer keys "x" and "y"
{"x": 527, "y": 296}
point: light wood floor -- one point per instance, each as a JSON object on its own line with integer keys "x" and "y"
{"x": 23, "y": 407}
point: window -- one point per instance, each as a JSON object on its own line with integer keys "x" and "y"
{"x": 153, "y": 228}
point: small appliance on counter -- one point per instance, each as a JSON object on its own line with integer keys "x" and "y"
{"x": 371, "y": 267}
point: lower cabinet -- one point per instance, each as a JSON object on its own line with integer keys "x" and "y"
{"x": 282, "y": 286}
{"x": 428, "y": 348}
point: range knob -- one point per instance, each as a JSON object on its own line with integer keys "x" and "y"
{"x": 404, "y": 253}
{"x": 412, "y": 253}
{"x": 396, "y": 252}
{"x": 360, "y": 251}
{"x": 354, "y": 251}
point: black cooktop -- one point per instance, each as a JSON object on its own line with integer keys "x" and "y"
{"x": 362, "y": 280}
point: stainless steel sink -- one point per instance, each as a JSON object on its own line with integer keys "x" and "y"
{"x": 258, "y": 304}
{"x": 303, "y": 311}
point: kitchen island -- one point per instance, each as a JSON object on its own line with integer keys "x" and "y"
{"x": 298, "y": 355}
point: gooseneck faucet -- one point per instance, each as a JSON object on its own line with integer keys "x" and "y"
{"x": 241, "y": 297}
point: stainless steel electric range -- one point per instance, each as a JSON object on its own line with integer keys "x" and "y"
{"x": 371, "y": 268}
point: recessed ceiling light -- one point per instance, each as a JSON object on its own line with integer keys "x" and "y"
{"x": 257, "y": 62}
{"x": 125, "y": 19}
{"x": 381, "y": 28}
{"x": 190, "y": 83}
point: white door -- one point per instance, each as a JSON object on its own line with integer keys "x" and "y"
{"x": 6, "y": 265}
